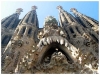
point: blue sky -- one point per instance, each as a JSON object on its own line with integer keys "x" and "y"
{"x": 45, "y": 8}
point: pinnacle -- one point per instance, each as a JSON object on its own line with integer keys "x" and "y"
{"x": 20, "y": 9}
{"x": 73, "y": 10}
{"x": 59, "y": 7}
{"x": 34, "y": 7}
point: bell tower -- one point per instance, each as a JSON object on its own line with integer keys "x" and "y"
{"x": 23, "y": 42}
{"x": 8, "y": 26}
{"x": 88, "y": 22}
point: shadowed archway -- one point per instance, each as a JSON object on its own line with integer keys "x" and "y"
{"x": 48, "y": 50}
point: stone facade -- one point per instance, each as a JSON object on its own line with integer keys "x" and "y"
{"x": 68, "y": 48}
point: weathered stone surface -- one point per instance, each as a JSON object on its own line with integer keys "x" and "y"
{"x": 66, "y": 49}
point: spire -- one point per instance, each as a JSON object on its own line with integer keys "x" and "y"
{"x": 12, "y": 20}
{"x": 65, "y": 17}
{"x": 34, "y": 7}
{"x": 28, "y": 23}
{"x": 90, "y": 21}
{"x": 8, "y": 26}
{"x": 31, "y": 17}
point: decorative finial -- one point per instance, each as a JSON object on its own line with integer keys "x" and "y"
{"x": 73, "y": 10}
{"x": 50, "y": 20}
{"x": 59, "y": 7}
{"x": 19, "y": 10}
{"x": 34, "y": 7}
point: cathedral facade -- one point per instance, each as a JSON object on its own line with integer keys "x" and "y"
{"x": 70, "y": 47}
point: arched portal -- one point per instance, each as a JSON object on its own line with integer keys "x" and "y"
{"x": 48, "y": 50}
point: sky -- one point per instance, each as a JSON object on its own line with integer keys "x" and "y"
{"x": 48, "y": 8}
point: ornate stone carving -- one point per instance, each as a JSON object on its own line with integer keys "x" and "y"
{"x": 68, "y": 48}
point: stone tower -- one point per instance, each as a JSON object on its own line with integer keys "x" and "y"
{"x": 22, "y": 40}
{"x": 76, "y": 32}
{"x": 69, "y": 48}
{"x": 8, "y": 26}
{"x": 86, "y": 21}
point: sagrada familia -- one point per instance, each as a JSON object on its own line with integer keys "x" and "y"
{"x": 70, "y": 46}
